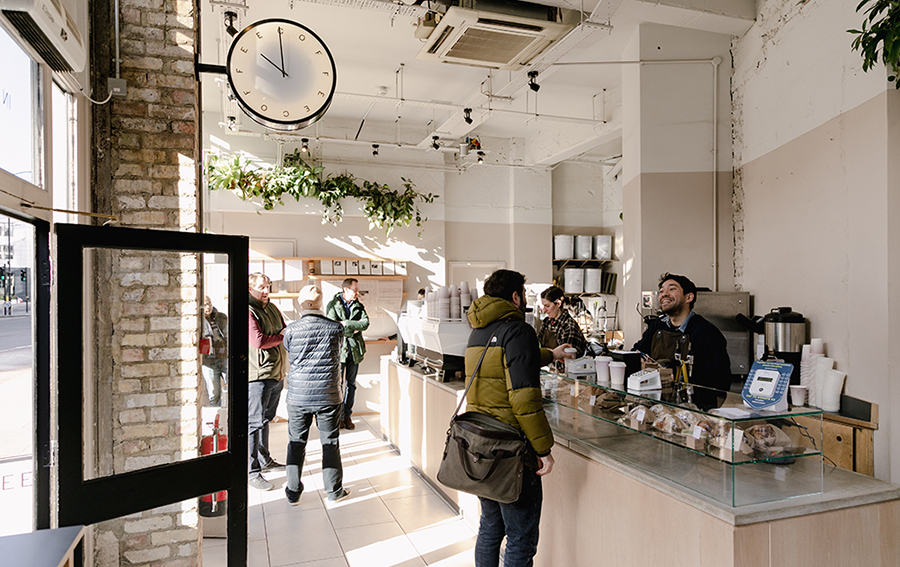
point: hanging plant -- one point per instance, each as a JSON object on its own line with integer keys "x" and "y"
{"x": 384, "y": 207}
{"x": 879, "y": 38}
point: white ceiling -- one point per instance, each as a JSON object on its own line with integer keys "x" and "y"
{"x": 374, "y": 47}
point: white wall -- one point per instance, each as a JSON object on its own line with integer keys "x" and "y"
{"x": 812, "y": 154}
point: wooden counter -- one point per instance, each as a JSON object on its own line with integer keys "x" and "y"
{"x": 601, "y": 511}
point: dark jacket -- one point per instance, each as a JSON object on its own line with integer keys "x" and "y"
{"x": 508, "y": 385}
{"x": 313, "y": 344}
{"x": 357, "y": 321}
{"x": 265, "y": 356}
{"x": 712, "y": 367}
{"x": 215, "y": 328}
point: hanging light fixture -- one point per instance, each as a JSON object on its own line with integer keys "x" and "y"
{"x": 468, "y": 115}
{"x": 434, "y": 142}
{"x": 532, "y": 83}
{"x": 374, "y": 149}
{"x": 480, "y": 157}
{"x": 231, "y": 121}
{"x": 229, "y": 23}
{"x": 304, "y": 145}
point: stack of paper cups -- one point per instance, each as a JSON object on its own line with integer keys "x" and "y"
{"x": 454, "y": 302}
{"x": 816, "y": 346}
{"x": 444, "y": 303}
{"x": 823, "y": 365}
{"x": 831, "y": 392}
{"x": 465, "y": 298}
{"x": 804, "y": 367}
{"x": 811, "y": 378}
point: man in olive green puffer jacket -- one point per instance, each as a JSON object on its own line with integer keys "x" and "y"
{"x": 346, "y": 309}
{"x": 508, "y": 387}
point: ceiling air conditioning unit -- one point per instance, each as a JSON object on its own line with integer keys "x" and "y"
{"x": 490, "y": 39}
{"x": 47, "y": 26}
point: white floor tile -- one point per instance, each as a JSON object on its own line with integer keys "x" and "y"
{"x": 305, "y": 536}
{"x": 378, "y": 545}
{"x": 419, "y": 512}
{"x": 359, "y": 510}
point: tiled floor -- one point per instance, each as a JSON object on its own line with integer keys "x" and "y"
{"x": 392, "y": 517}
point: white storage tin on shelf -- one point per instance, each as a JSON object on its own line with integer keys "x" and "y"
{"x": 583, "y": 247}
{"x": 592, "y": 279}
{"x": 563, "y": 247}
{"x": 574, "y": 280}
{"x": 603, "y": 247}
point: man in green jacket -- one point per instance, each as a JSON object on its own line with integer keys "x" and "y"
{"x": 346, "y": 309}
{"x": 508, "y": 387}
{"x": 267, "y": 365}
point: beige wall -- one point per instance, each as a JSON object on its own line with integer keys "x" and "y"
{"x": 817, "y": 218}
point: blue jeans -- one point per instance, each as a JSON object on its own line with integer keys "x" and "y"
{"x": 262, "y": 397}
{"x": 349, "y": 369}
{"x": 518, "y": 521}
{"x": 328, "y": 418}
{"x": 214, "y": 371}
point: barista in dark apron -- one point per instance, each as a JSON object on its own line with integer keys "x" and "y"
{"x": 670, "y": 349}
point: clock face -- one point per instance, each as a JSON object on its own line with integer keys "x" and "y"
{"x": 281, "y": 73}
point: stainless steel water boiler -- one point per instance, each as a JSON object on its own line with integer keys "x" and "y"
{"x": 785, "y": 330}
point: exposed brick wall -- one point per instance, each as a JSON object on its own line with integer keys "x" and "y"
{"x": 146, "y": 165}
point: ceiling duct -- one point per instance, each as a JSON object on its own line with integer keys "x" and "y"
{"x": 499, "y": 35}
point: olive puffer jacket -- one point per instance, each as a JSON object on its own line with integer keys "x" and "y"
{"x": 313, "y": 343}
{"x": 357, "y": 321}
{"x": 508, "y": 385}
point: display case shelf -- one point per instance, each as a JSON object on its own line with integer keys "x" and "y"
{"x": 709, "y": 442}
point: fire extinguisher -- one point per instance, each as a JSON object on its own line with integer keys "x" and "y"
{"x": 215, "y": 504}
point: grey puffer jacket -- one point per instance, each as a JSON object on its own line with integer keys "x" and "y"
{"x": 313, "y": 343}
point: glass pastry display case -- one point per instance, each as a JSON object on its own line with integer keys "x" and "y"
{"x": 703, "y": 439}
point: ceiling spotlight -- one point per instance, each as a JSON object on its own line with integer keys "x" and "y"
{"x": 229, "y": 23}
{"x": 434, "y": 142}
{"x": 480, "y": 157}
{"x": 532, "y": 75}
{"x": 304, "y": 145}
{"x": 231, "y": 121}
{"x": 468, "y": 115}
{"x": 374, "y": 149}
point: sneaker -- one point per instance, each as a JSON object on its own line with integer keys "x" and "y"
{"x": 259, "y": 483}
{"x": 344, "y": 493}
{"x": 273, "y": 465}
{"x": 347, "y": 423}
{"x": 293, "y": 498}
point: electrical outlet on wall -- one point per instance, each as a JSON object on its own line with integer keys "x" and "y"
{"x": 116, "y": 87}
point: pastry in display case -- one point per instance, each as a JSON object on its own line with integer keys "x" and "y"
{"x": 704, "y": 439}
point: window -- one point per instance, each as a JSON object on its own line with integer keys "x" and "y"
{"x": 63, "y": 136}
{"x": 19, "y": 104}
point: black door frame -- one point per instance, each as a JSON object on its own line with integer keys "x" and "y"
{"x": 88, "y": 501}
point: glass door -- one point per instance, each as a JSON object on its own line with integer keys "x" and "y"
{"x": 149, "y": 457}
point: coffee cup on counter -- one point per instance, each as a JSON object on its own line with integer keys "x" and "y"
{"x": 798, "y": 395}
{"x": 617, "y": 373}
{"x": 601, "y": 363}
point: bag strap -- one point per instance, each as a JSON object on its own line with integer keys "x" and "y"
{"x": 474, "y": 373}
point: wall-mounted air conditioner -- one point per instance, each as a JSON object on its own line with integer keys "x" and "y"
{"x": 47, "y": 26}
{"x": 489, "y": 39}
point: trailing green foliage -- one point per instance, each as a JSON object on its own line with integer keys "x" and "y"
{"x": 879, "y": 38}
{"x": 385, "y": 208}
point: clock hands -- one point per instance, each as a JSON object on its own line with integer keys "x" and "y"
{"x": 281, "y": 47}
{"x": 283, "y": 74}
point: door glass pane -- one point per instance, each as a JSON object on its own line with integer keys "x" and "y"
{"x": 147, "y": 347}
{"x": 18, "y": 103}
{"x": 16, "y": 376}
{"x": 183, "y": 533}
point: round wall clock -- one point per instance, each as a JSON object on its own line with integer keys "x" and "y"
{"x": 281, "y": 73}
